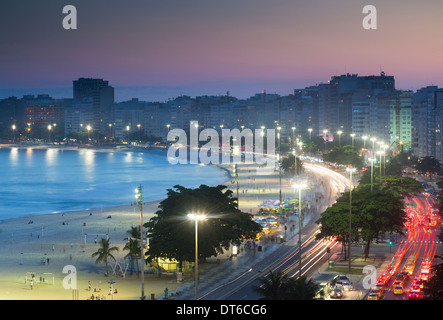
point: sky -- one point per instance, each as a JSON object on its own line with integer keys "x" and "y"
{"x": 156, "y": 50}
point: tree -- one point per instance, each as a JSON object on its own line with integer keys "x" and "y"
{"x": 335, "y": 222}
{"x": 433, "y": 288}
{"x": 277, "y": 286}
{"x": 172, "y": 233}
{"x": 133, "y": 246}
{"x": 373, "y": 213}
{"x": 428, "y": 165}
{"x": 302, "y": 289}
{"x": 288, "y": 165}
{"x": 396, "y": 184}
{"x": 406, "y": 159}
{"x": 344, "y": 155}
{"x": 272, "y": 287}
{"x": 104, "y": 252}
{"x": 400, "y": 186}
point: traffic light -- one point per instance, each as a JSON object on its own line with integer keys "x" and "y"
{"x": 390, "y": 242}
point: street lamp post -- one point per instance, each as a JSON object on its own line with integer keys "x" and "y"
{"x": 279, "y": 166}
{"x": 236, "y": 181}
{"x": 352, "y": 137}
{"x": 299, "y": 187}
{"x": 13, "y": 131}
{"x": 139, "y": 132}
{"x": 380, "y": 153}
{"x": 384, "y": 147}
{"x": 139, "y": 197}
{"x": 196, "y": 218}
{"x": 372, "y": 172}
{"x": 89, "y": 129}
{"x": 364, "y": 141}
{"x": 110, "y": 130}
{"x": 339, "y": 137}
{"x": 49, "y": 130}
{"x": 350, "y": 170}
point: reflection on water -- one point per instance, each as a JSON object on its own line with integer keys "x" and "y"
{"x": 88, "y": 160}
{"x": 34, "y": 181}
{"x": 13, "y": 156}
{"x": 51, "y": 155}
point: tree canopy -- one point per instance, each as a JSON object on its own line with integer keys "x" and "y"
{"x": 276, "y": 286}
{"x": 345, "y": 155}
{"x": 172, "y": 233}
{"x": 288, "y": 165}
{"x": 428, "y": 165}
{"x": 373, "y": 213}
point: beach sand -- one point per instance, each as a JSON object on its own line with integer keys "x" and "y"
{"x": 61, "y": 239}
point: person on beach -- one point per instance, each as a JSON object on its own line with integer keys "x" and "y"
{"x": 32, "y": 284}
{"x": 89, "y": 285}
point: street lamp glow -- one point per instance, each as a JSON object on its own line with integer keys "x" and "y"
{"x": 299, "y": 186}
{"x": 196, "y": 216}
{"x": 348, "y": 169}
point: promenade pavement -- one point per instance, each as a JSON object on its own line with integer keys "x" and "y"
{"x": 217, "y": 273}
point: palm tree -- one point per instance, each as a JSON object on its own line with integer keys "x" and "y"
{"x": 272, "y": 288}
{"x": 133, "y": 246}
{"x": 134, "y": 233}
{"x": 134, "y": 251}
{"x": 302, "y": 289}
{"x": 279, "y": 287}
{"x": 104, "y": 252}
{"x": 288, "y": 165}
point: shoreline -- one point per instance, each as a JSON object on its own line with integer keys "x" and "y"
{"x": 154, "y": 152}
{"x": 68, "y": 238}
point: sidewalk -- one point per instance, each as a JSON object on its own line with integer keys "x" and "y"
{"x": 213, "y": 274}
{"x": 379, "y": 258}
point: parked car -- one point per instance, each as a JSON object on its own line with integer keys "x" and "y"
{"x": 336, "y": 293}
{"x": 345, "y": 284}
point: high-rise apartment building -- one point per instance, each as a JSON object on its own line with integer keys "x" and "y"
{"x": 42, "y": 110}
{"x": 93, "y": 101}
{"x": 336, "y": 98}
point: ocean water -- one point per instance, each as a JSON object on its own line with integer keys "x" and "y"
{"x": 41, "y": 181}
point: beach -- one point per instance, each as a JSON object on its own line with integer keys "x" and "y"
{"x": 43, "y": 245}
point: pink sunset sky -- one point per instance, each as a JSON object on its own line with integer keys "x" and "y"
{"x": 211, "y": 46}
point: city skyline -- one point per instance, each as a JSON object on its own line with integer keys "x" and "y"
{"x": 209, "y": 48}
